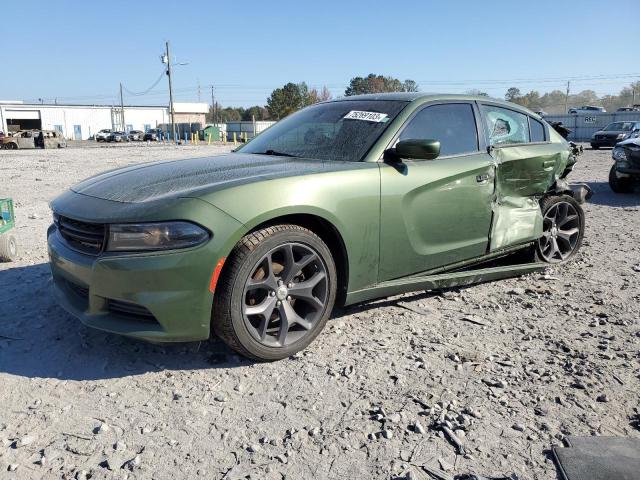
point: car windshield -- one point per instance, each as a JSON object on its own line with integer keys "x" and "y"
{"x": 619, "y": 127}
{"x": 341, "y": 131}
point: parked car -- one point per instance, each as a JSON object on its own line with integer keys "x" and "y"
{"x": 103, "y": 134}
{"x": 341, "y": 202}
{"x": 136, "y": 135}
{"x": 586, "y": 110}
{"x": 628, "y": 109}
{"x": 153, "y": 135}
{"x": 34, "y": 139}
{"x": 118, "y": 137}
{"x": 624, "y": 175}
{"x": 613, "y": 133}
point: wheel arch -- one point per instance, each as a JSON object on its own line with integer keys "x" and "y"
{"x": 326, "y": 230}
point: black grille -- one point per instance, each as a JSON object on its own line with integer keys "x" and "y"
{"x": 130, "y": 310}
{"x": 82, "y": 236}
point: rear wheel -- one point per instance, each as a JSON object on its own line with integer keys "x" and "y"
{"x": 8, "y": 247}
{"x": 562, "y": 229}
{"x": 620, "y": 185}
{"x": 276, "y": 292}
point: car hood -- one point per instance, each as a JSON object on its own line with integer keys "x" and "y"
{"x": 198, "y": 176}
{"x": 630, "y": 141}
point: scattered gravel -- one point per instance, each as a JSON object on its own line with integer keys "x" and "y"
{"x": 482, "y": 379}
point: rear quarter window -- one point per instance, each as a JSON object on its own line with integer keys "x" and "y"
{"x": 537, "y": 130}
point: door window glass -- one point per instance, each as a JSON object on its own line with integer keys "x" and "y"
{"x": 504, "y": 126}
{"x": 453, "y": 125}
{"x": 537, "y": 130}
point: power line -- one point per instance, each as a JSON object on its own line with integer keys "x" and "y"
{"x": 145, "y": 92}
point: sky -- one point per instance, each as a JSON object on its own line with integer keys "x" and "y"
{"x": 79, "y": 52}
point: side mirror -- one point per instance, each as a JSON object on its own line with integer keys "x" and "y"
{"x": 415, "y": 149}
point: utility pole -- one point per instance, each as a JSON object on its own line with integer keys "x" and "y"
{"x": 167, "y": 60}
{"x": 124, "y": 127}
{"x": 566, "y": 98}
{"x": 213, "y": 106}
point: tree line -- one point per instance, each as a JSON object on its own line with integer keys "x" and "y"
{"x": 554, "y": 102}
{"x": 294, "y": 96}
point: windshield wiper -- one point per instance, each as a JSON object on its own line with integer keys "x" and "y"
{"x": 276, "y": 153}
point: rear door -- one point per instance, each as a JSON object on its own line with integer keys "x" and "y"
{"x": 526, "y": 166}
{"x": 437, "y": 212}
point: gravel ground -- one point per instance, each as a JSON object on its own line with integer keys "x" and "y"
{"x": 482, "y": 379}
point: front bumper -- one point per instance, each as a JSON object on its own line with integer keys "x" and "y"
{"x": 172, "y": 287}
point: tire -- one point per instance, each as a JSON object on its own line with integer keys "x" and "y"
{"x": 11, "y": 146}
{"x": 252, "y": 283}
{"x": 563, "y": 229}
{"x": 8, "y": 248}
{"x": 620, "y": 185}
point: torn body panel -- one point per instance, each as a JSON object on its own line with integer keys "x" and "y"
{"x": 523, "y": 175}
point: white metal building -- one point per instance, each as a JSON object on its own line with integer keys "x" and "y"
{"x": 81, "y": 122}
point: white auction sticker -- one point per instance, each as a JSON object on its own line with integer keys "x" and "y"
{"x": 367, "y": 116}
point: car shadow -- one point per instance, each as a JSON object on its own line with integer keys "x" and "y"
{"x": 603, "y": 195}
{"x": 40, "y": 340}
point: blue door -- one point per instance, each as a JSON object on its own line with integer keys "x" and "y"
{"x": 77, "y": 132}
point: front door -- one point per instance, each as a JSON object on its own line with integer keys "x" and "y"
{"x": 437, "y": 212}
{"x": 77, "y": 132}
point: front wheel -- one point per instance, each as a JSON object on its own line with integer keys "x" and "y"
{"x": 276, "y": 292}
{"x": 562, "y": 229}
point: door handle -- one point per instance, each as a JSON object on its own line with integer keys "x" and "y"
{"x": 482, "y": 178}
{"x": 548, "y": 164}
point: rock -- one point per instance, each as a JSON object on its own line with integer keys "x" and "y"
{"x": 394, "y": 418}
{"x": 444, "y": 465}
{"x": 282, "y": 458}
{"x": 418, "y": 428}
{"x": 314, "y": 432}
{"x": 221, "y": 398}
{"x": 120, "y": 446}
{"x": 388, "y": 434}
{"x": 253, "y": 448}
{"x": 33, "y": 216}
{"x": 82, "y": 475}
{"x": 102, "y": 428}
{"x": 24, "y": 441}
{"x": 519, "y": 427}
{"x": 603, "y": 398}
{"x": 12, "y": 467}
{"x": 134, "y": 462}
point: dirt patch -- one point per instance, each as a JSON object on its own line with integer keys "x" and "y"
{"x": 388, "y": 387}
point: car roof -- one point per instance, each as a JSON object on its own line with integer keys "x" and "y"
{"x": 423, "y": 97}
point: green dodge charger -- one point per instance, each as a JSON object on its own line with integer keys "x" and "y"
{"x": 341, "y": 202}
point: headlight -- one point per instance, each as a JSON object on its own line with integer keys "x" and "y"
{"x": 136, "y": 237}
{"x": 619, "y": 154}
